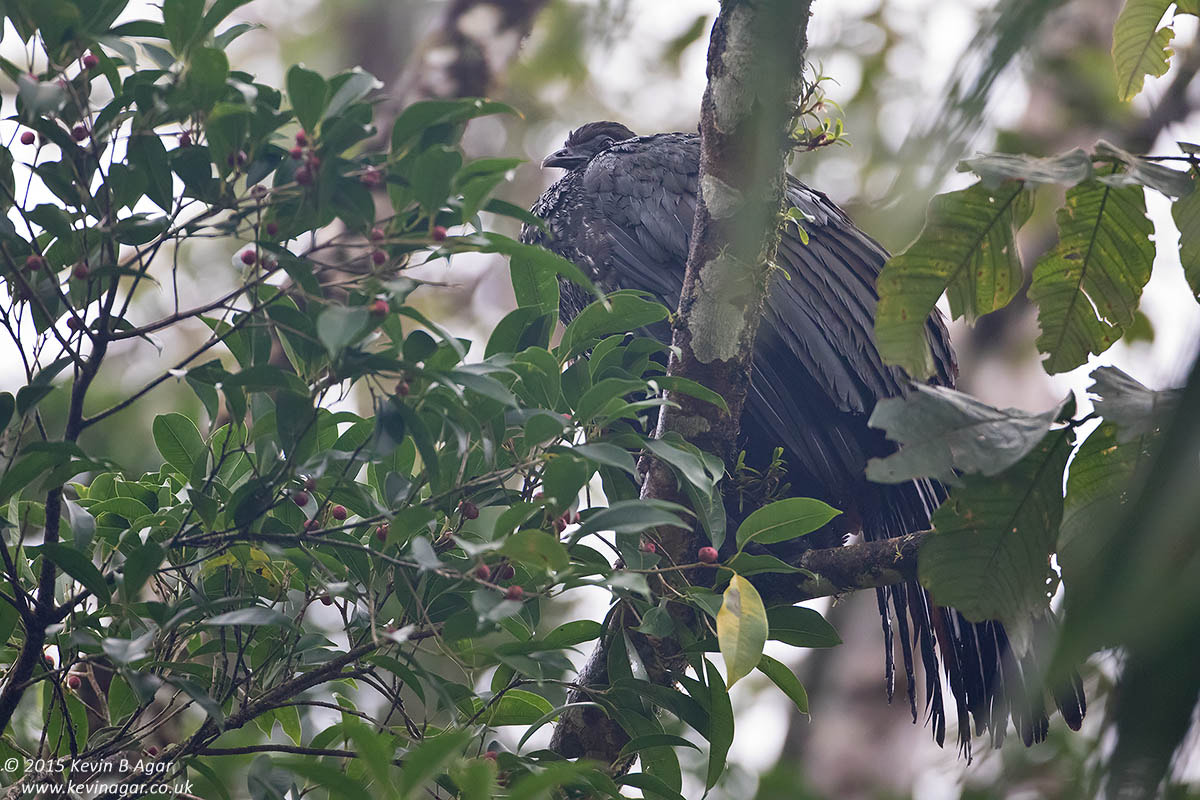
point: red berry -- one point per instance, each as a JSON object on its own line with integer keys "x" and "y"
{"x": 490, "y": 755}
{"x": 377, "y": 234}
{"x": 469, "y": 510}
{"x": 439, "y": 233}
{"x": 560, "y": 524}
{"x": 514, "y": 593}
{"x": 303, "y": 176}
{"x": 272, "y": 229}
{"x": 505, "y": 572}
{"x": 311, "y": 524}
{"x": 300, "y": 498}
{"x": 301, "y": 137}
{"x": 90, "y": 61}
{"x": 80, "y": 271}
{"x": 185, "y": 139}
{"x": 314, "y": 163}
{"x": 151, "y": 751}
{"x": 28, "y": 137}
{"x": 73, "y": 323}
{"x": 248, "y": 257}
{"x": 648, "y": 547}
{"x": 296, "y": 153}
{"x": 79, "y": 133}
{"x": 381, "y": 531}
{"x": 34, "y": 262}
{"x": 49, "y": 660}
{"x": 310, "y": 483}
{"x": 483, "y": 572}
{"x": 402, "y": 388}
{"x": 378, "y": 257}
{"x": 380, "y": 308}
{"x": 74, "y": 682}
{"x": 338, "y": 513}
{"x": 372, "y": 177}
{"x": 326, "y": 600}
{"x": 708, "y": 555}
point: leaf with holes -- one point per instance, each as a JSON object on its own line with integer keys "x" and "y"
{"x": 1087, "y": 288}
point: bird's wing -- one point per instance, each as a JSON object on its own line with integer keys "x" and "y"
{"x": 816, "y": 363}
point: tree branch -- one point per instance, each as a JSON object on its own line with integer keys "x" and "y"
{"x": 755, "y": 75}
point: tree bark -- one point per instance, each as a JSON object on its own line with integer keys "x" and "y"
{"x": 755, "y": 73}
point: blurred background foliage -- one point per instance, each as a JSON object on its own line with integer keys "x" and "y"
{"x": 920, "y": 84}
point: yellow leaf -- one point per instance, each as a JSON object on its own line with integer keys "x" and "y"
{"x": 741, "y": 628}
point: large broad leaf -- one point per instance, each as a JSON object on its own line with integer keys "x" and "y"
{"x": 943, "y": 432}
{"x": 989, "y": 555}
{"x": 1135, "y": 409}
{"x": 784, "y": 520}
{"x": 178, "y": 441}
{"x": 720, "y": 724}
{"x": 966, "y": 248}
{"x": 1186, "y": 212}
{"x": 1069, "y": 168}
{"x": 1140, "y": 47}
{"x": 783, "y": 677}
{"x": 1103, "y": 472}
{"x": 741, "y": 628}
{"x": 1087, "y": 288}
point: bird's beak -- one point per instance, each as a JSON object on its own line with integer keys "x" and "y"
{"x": 566, "y": 158}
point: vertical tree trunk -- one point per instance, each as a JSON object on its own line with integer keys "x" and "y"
{"x": 755, "y": 72}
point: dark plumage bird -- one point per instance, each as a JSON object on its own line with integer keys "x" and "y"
{"x": 623, "y": 213}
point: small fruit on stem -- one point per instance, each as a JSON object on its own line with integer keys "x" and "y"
{"x": 469, "y": 510}
{"x": 514, "y": 593}
{"x": 708, "y": 555}
{"x": 338, "y": 513}
{"x": 300, "y": 499}
{"x": 483, "y": 572}
{"x": 28, "y": 137}
{"x": 439, "y": 233}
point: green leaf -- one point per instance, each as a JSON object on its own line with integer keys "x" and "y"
{"x": 1186, "y": 212}
{"x": 1140, "y": 47}
{"x": 967, "y": 248}
{"x": 720, "y": 724}
{"x": 675, "y": 383}
{"x": 1105, "y": 472}
{"x": 801, "y": 627}
{"x": 309, "y": 95}
{"x": 252, "y": 616}
{"x": 619, "y": 312}
{"x": 654, "y": 740}
{"x": 1087, "y": 288}
{"x": 538, "y": 549}
{"x": 349, "y": 88}
{"x": 784, "y": 520}
{"x": 650, "y": 786}
{"x": 204, "y": 81}
{"x": 990, "y": 554}
{"x": 181, "y": 22}
{"x": 178, "y": 440}
{"x": 633, "y": 516}
{"x": 432, "y": 175}
{"x": 425, "y": 762}
{"x": 517, "y": 707}
{"x": 745, "y": 564}
{"x": 943, "y": 433}
{"x": 741, "y": 628}
{"x": 786, "y": 680}
{"x": 139, "y": 566}
{"x": 79, "y": 567}
{"x": 1136, "y": 410}
{"x": 8, "y": 405}
{"x": 148, "y": 156}
{"x": 338, "y": 326}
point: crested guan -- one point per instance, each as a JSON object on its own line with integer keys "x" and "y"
{"x": 623, "y": 213}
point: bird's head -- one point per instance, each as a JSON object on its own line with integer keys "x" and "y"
{"x": 585, "y": 141}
